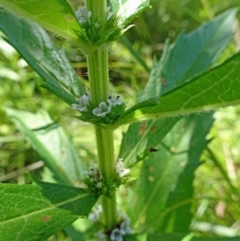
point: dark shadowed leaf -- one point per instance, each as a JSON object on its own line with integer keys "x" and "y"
{"x": 141, "y": 138}
{"x": 164, "y": 188}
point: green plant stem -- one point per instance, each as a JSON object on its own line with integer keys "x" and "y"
{"x": 99, "y": 89}
{"x": 106, "y": 163}
{"x": 98, "y": 78}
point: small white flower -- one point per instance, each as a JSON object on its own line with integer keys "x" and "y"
{"x": 123, "y": 172}
{"x": 101, "y": 236}
{"x": 120, "y": 170}
{"x": 84, "y": 101}
{"x": 82, "y": 14}
{"x": 102, "y": 110}
{"x": 113, "y": 101}
{"x": 99, "y": 185}
{"x": 93, "y": 171}
{"x": 125, "y": 227}
{"x": 97, "y": 25}
{"x": 93, "y": 174}
{"x": 116, "y": 235}
{"x": 95, "y": 215}
{"x": 79, "y": 107}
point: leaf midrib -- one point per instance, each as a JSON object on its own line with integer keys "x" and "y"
{"x": 156, "y": 187}
{"x": 53, "y": 206}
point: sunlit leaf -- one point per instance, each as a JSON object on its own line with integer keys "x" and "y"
{"x": 217, "y": 88}
{"x": 127, "y": 10}
{"x": 190, "y": 56}
{"x": 55, "y": 15}
{"x": 36, "y": 47}
{"x": 35, "y": 212}
{"x": 194, "y": 53}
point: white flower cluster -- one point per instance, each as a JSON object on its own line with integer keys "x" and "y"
{"x": 120, "y": 170}
{"x": 114, "y": 100}
{"x": 105, "y": 107}
{"x": 102, "y": 110}
{"x": 82, "y": 14}
{"x": 94, "y": 178}
{"x": 95, "y": 215}
{"x": 117, "y": 233}
{"x": 84, "y": 101}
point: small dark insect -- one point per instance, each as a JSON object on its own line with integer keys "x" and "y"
{"x": 151, "y": 149}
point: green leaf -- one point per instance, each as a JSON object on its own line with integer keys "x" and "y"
{"x": 56, "y": 16}
{"x": 35, "y": 212}
{"x": 185, "y": 237}
{"x": 190, "y": 56}
{"x": 166, "y": 237}
{"x": 141, "y": 138}
{"x": 38, "y": 50}
{"x": 153, "y": 86}
{"x": 129, "y": 10}
{"x": 194, "y": 53}
{"x": 164, "y": 188}
{"x": 74, "y": 234}
{"x": 49, "y": 140}
{"x": 217, "y": 88}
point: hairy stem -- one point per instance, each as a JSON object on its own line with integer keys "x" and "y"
{"x": 99, "y": 88}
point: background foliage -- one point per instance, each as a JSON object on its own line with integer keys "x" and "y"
{"x": 215, "y": 188}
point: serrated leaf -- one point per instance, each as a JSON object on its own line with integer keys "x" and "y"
{"x": 141, "y": 138}
{"x": 49, "y": 140}
{"x": 33, "y": 43}
{"x": 164, "y": 187}
{"x": 153, "y": 86}
{"x": 56, "y": 16}
{"x": 190, "y": 56}
{"x": 194, "y": 53}
{"x": 35, "y": 212}
{"x": 217, "y": 88}
{"x": 185, "y": 237}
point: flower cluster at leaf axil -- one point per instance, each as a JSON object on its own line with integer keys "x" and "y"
{"x": 83, "y": 15}
{"x": 107, "y": 107}
{"x": 83, "y": 103}
{"x": 105, "y": 113}
{"x": 118, "y": 232}
{"x": 94, "y": 30}
{"x": 94, "y": 180}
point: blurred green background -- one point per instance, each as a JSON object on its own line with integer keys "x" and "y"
{"x": 216, "y": 179}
